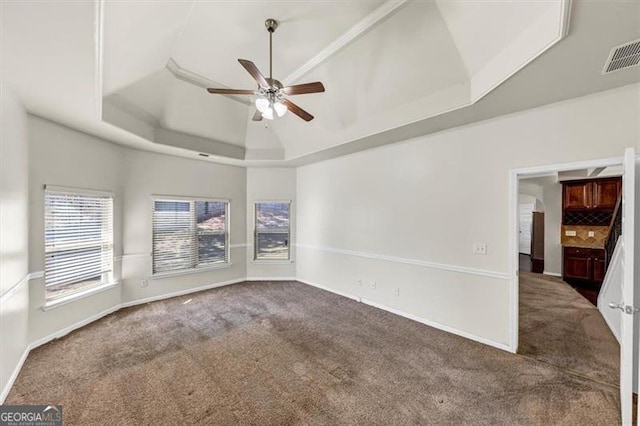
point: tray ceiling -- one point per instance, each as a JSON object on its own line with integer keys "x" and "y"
{"x": 135, "y": 72}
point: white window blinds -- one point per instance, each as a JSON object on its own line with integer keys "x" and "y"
{"x": 189, "y": 234}
{"x": 272, "y": 231}
{"x": 78, "y": 241}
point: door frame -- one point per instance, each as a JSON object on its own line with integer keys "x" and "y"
{"x": 514, "y": 182}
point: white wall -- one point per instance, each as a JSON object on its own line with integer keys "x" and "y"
{"x": 14, "y": 241}
{"x": 538, "y": 205}
{"x": 270, "y": 184}
{"x": 526, "y": 199}
{"x": 64, "y": 157}
{"x": 406, "y": 215}
{"x": 150, "y": 174}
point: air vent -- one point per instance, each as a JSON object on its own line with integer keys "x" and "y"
{"x": 624, "y": 56}
{"x": 203, "y": 155}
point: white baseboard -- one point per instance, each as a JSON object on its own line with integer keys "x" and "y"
{"x": 271, "y": 279}
{"x": 552, "y": 274}
{"x": 179, "y": 293}
{"x": 433, "y": 324}
{"x": 339, "y": 293}
{"x": 439, "y": 326}
{"x": 63, "y": 332}
{"x": 58, "y": 334}
{"x": 14, "y": 375}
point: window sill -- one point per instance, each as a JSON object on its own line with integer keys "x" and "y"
{"x": 162, "y": 275}
{"x": 55, "y": 303}
{"x": 272, "y": 261}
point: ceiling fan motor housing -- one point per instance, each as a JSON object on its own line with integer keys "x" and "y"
{"x": 274, "y": 84}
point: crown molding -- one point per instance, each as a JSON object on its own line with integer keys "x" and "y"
{"x": 565, "y": 17}
{"x": 99, "y": 55}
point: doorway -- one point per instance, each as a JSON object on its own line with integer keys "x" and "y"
{"x": 524, "y": 284}
{"x": 531, "y": 233}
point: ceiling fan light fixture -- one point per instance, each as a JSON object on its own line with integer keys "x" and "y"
{"x": 281, "y": 109}
{"x": 268, "y": 113}
{"x": 262, "y": 104}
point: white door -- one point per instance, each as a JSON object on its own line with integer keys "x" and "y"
{"x": 628, "y": 278}
{"x": 524, "y": 228}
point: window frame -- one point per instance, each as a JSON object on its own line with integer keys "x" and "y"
{"x": 196, "y": 269}
{"x": 107, "y": 279}
{"x": 255, "y": 258}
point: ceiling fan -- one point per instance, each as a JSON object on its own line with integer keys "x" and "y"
{"x": 271, "y": 94}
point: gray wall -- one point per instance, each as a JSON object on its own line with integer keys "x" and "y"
{"x": 64, "y": 157}
{"x": 14, "y": 241}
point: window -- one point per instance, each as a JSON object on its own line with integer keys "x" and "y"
{"x": 78, "y": 239}
{"x": 189, "y": 234}
{"x": 272, "y": 231}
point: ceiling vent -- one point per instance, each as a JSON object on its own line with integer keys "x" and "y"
{"x": 623, "y": 56}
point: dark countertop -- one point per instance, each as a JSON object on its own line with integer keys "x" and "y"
{"x": 589, "y": 246}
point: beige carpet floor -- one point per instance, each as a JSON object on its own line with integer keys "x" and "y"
{"x": 562, "y": 328}
{"x": 286, "y": 353}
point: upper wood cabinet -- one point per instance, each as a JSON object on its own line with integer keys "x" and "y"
{"x": 576, "y": 195}
{"x": 591, "y": 194}
{"x": 605, "y": 193}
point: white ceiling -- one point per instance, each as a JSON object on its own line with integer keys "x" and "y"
{"x": 139, "y": 40}
{"x": 412, "y": 64}
{"x": 218, "y": 33}
{"x": 424, "y": 67}
{"x": 499, "y": 21}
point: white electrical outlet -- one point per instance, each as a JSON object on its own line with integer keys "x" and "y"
{"x": 373, "y": 284}
{"x": 570, "y": 233}
{"x": 480, "y": 248}
{"x": 396, "y": 291}
{"x": 592, "y": 234}
{"x": 144, "y": 283}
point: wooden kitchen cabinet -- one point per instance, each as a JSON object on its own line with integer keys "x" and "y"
{"x": 599, "y": 194}
{"x": 584, "y": 264}
{"x": 577, "y": 263}
{"x": 599, "y": 267}
{"x": 606, "y": 193}
{"x": 576, "y": 195}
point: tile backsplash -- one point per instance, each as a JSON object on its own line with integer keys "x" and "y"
{"x": 582, "y": 238}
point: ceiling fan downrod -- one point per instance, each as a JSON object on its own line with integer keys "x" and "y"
{"x": 271, "y": 25}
